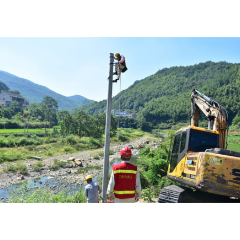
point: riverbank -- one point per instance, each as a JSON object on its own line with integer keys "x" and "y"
{"x": 73, "y": 174}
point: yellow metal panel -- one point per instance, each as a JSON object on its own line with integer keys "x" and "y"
{"x": 220, "y": 173}
{"x": 177, "y": 172}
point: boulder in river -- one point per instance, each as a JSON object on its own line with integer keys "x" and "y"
{"x": 69, "y": 165}
{"x": 20, "y": 178}
{"x": 78, "y": 162}
{"x": 71, "y": 159}
{"x": 141, "y": 146}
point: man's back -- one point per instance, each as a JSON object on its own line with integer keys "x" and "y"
{"x": 91, "y": 191}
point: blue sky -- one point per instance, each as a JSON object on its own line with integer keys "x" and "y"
{"x": 80, "y": 65}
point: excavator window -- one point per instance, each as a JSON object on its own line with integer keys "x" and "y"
{"x": 178, "y": 145}
{"x": 183, "y": 141}
{"x": 200, "y": 141}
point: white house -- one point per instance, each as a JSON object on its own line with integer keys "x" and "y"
{"x": 7, "y": 97}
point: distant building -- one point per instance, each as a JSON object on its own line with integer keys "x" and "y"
{"x": 126, "y": 114}
{"x": 7, "y": 97}
{"x": 113, "y": 111}
{"x": 121, "y": 113}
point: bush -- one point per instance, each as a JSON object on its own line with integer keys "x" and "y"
{"x": 96, "y": 142}
{"x": 154, "y": 164}
{"x": 68, "y": 149}
{"x": 111, "y": 152}
{"x": 23, "y": 141}
{"x": 3, "y": 156}
{"x": 49, "y": 153}
{"x": 80, "y": 146}
{"x": 18, "y": 167}
{"x": 96, "y": 157}
{"x": 144, "y": 180}
{"x": 101, "y": 153}
{"x": 37, "y": 167}
{"x": 57, "y": 164}
{"x": 123, "y": 137}
{"x": 49, "y": 139}
{"x": 71, "y": 139}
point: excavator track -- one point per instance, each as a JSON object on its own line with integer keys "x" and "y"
{"x": 179, "y": 194}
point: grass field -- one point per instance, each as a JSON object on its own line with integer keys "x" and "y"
{"x": 12, "y": 131}
{"x": 234, "y": 147}
{"x": 234, "y": 142}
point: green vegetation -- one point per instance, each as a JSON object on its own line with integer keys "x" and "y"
{"x": 18, "y": 167}
{"x": 37, "y": 167}
{"x": 57, "y": 164}
{"x": 22, "y": 195}
{"x": 16, "y": 131}
{"x": 3, "y": 87}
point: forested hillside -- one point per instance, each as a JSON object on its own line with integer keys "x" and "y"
{"x": 35, "y": 92}
{"x": 3, "y": 87}
{"x": 81, "y": 100}
{"x": 165, "y": 96}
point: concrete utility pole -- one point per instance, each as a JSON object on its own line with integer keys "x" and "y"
{"x": 107, "y": 130}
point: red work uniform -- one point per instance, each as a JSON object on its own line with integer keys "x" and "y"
{"x": 125, "y": 180}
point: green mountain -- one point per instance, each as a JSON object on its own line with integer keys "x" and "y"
{"x": 77, "y": 98}
{"x": 81, "y": 100}
{"x": 35, "y": 92}
{"x": 164, "y": 97}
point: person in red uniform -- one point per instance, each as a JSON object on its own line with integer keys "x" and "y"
{"x": 119, "y": 66}
{"x": 124, "y": 183}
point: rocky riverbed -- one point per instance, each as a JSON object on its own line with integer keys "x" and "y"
{"x": 78, "y": 165}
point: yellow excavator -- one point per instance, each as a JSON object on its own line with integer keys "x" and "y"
{"x": 199, "y": 161}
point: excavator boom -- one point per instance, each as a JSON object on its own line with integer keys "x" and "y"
{"x": 216, "y": 114}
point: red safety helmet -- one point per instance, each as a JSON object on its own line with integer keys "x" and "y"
{"x": 126, "y": 151}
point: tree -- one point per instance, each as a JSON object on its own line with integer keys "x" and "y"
{"x": 5, "y": 112}
{"x": 50, "y": 107}
{"x": 82, "y": 123}
{"x": 98, "y": 124}
{"x": 36, "y": 111}
{"x": 26, "y": 118}
{"x": 66, "y": 121}
{"x": 14, "y": 91}
{"x": 15, "y": 107}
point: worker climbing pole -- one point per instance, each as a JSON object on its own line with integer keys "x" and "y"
{"x": 120, "y": 66}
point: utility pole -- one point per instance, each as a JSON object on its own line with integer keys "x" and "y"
{"x": 107, "y": 130}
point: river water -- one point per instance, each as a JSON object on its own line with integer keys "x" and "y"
{"x": 48, "y": 182}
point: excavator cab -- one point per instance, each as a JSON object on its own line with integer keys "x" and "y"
{"x": 192, "y": 139}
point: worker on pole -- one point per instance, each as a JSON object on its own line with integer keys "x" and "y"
{"x": 92, "y": 190}
{"x": 120, "y": 66}
{"x": 124, "y": 184}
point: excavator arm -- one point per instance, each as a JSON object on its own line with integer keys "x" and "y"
{"x": 216, "y": 114}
